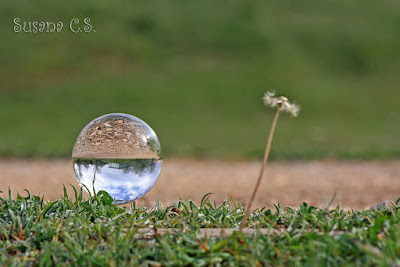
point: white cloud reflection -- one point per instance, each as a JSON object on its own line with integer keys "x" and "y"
{"x": 122, "y": 184}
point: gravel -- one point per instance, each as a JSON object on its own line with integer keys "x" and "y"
{"x": 358, "y": 184}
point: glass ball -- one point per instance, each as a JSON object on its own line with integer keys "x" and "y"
{"x": 117, "y": 153}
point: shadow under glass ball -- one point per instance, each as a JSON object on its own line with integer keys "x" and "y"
{"x": 117, "y": 153}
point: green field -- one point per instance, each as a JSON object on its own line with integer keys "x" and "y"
{"x": 196, "y": 72}
{"x": 95, "y": 232}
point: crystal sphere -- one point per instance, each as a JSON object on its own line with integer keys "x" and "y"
{"x": 117, "y": 153}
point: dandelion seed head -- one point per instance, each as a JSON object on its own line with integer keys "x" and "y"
{"x": 282, "y": 103}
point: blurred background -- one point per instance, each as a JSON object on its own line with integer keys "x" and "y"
{"x": 196, "y": 71}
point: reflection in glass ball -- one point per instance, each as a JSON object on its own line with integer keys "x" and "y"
{"x": 117, "y": 153}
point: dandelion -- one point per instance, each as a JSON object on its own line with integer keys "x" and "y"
{"x": 281, "y": 104}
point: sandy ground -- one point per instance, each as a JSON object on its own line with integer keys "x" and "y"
{"x": 358, "y": 184}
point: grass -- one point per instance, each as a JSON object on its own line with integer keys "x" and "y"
{"x": 197, "y": 79}
{"x": 96, "y": 232}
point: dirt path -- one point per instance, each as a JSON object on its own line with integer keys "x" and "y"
{"x": 358, "y": 184}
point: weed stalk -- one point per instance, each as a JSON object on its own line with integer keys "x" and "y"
{"x": 282, "y": 104}
{"x": 265, "y": 161}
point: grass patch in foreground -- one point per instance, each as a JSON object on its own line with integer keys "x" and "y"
{"x": 84, "y": 232}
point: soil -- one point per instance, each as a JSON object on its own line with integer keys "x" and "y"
{"x": 117, "y": 135}
{"x": 358, "y": 184}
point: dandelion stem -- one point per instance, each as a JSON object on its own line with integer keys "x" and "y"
{"x": 265, "y": 160}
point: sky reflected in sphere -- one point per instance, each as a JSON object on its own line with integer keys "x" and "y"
{"x": 117, "y": 153}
